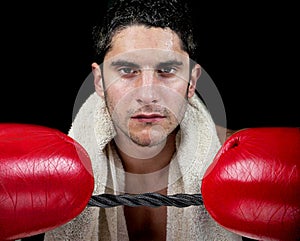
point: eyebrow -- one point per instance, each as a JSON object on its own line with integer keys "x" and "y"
{"x": 124, "y": 63}
{"x": 169, "y": 63}
{"x": 134, "y": 65}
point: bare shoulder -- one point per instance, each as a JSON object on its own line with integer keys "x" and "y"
{"x": 224, "y": 133}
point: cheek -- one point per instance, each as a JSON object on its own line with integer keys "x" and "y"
{"x": 119, "y": 102}
{"x": 122, "y": 97}
{"x": 180, "y": 88}
{"x": 175, "y": 96}
{"x": 112, "y": 98}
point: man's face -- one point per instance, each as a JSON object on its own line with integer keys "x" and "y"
{"x": 146, "y": 75}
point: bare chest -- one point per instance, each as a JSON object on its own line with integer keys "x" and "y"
{"x": 146, "y": 223}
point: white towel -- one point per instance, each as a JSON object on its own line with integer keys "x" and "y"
{"x": 197, "y": 143}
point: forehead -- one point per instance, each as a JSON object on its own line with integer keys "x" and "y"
{"x": 141, "y": 38}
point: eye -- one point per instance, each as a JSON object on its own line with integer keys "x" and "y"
{"x": 128, "y": 72}
{"x": 167, "y": 71}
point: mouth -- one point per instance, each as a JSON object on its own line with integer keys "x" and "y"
{"x": 148, "y": 118}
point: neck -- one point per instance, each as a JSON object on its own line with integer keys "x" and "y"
{"x": 147, "y": 174}
{"x": 141, "y": 160}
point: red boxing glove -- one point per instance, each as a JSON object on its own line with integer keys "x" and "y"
{"x": 46, "y": 180}
{"x": 253, "y": 186}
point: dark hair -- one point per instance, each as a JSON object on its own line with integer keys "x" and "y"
{"x": 173, "y": 14}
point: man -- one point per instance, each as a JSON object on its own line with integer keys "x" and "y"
{"x": 144, "y": 128}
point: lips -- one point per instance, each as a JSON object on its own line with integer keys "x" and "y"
{"x": 148, "y": 117}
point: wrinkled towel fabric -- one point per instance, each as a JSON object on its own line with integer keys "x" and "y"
{"x": 196, "y": 145}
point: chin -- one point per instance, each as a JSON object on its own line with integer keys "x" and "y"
{"x": 148, "y": 142}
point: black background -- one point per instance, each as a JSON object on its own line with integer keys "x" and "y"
{"x": 250, "y": 51}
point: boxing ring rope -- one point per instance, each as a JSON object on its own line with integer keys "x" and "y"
{"x": 145, "y": 199}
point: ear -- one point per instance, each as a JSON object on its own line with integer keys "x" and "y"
{"x": 97, "y": 79}
{"x": 195, "y": 75}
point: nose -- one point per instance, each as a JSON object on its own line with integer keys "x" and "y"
{"x": 148, "y": 89}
